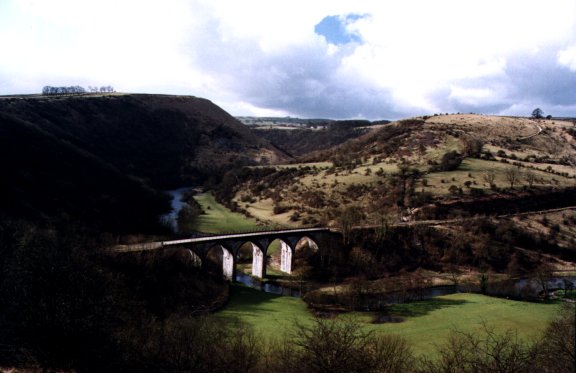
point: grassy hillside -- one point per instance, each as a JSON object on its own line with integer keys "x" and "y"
{"x": 417, "y": 162}
{"x": 431, "y": 169}
{"x": 219, "y": 219}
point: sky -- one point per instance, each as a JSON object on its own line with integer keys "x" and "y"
{"x": 340, "y": 59}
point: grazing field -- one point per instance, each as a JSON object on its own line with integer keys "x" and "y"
{"x": 270, "y": 315}
{"x": 426, "y": 323}
{"x": 219, "y": 219}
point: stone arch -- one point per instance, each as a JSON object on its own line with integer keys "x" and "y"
{"x": 227, "y": 259}
{"x": 284, "y": 253}
{"x": 258, "y": 258}
{"x": 291, "y": 252}
{"x": 305, "y": 240}
{"x": 194, "y": 258}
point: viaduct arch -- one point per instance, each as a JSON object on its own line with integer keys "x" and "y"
{"x": 226, "y": 248}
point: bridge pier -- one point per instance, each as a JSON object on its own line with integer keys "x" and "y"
{"x": 228, "y": 264}
{"x": 258, "y": 262}
{"x": 285, "y": 257}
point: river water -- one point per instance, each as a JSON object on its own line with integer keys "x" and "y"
{"x": 552, "y": 283}
{"x": 409, "y": 295}
{"x": 266, "y": 286}
{"x": 171, "y": 219}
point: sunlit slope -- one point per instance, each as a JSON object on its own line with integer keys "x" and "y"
{"x": 413, "y": 163}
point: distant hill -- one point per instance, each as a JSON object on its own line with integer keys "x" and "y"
{"x": 300, "y": 137}
{"x": 94, "y": 158}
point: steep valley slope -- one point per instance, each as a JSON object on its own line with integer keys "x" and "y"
{"x": 97, "y": 158}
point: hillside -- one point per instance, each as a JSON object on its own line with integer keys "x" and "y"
{"x": 96, "y": 158}
{"x": 407, "y": 169}
{"x": 303, "y": 139}
{"x": 163, "y": 139}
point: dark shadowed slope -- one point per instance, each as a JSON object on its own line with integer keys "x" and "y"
{"x": 162, "y": 139}
{"x": 94, "y": 158}
{"x": 47, "y": 179}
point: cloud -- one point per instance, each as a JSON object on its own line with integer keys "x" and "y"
{"x": 375, "y": 60}
{"x": 567, "y": 58}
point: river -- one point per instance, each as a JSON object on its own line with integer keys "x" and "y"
{"x": 266, "y": 286}
{"x": 171, "y": 219}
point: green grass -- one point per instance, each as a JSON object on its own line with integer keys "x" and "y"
{"x": 270, "y": 315}
{"x": 264, "y": 210}
{"x": 427, "y": 323}
{"x": 219, "y": 219}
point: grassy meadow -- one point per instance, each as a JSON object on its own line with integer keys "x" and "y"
{"x": 426, "y": 323}
{"x": 219, "y": 219}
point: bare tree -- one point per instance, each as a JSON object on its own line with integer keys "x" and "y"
{"x": 486, "y": 352}
{"x": 543, "y": 273}
{"x": 512, "y": 175}
{"x": 489, "y": 177}
{"x": 347, "y": 218}
{"x": 340, "y": 346}
{"x": 557, "y": 348}
{"x": 530, "y": 177}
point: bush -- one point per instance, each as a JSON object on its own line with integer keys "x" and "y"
{"x": 339, "y": 346}
{"x": 487, "y": 352}
{"x": 279, "y": 209}
{"x": 473, "y": 147}
{"x": 453, "y": 189}
{"x": 450, "y": 161}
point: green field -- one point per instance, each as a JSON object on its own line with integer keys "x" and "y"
{"x": 269, "y": 314}
{"x": 426, "y": 323}
{"x": 219, "y": 219}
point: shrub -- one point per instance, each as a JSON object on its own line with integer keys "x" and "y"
{"x": 450, "y": 161}
{"x": 453, "y": 189}
{"x": 279, "y": 209}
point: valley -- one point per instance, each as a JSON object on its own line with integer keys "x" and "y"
{"x": 366, "y": 221}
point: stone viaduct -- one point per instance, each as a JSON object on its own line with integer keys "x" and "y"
{"x": 227, "y": 247}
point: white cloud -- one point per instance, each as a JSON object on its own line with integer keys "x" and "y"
{"x": 262, "y": 56}
{"x": 567, "y": 57}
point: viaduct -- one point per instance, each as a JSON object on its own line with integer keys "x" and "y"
{"x": 227, "y": 247}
